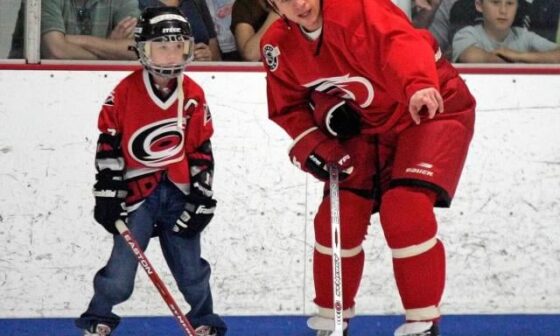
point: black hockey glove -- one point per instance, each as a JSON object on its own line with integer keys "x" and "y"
{"x": 335, "y": 116}
{"x": 109, "y": 201}
{"x": 198, "y": 212}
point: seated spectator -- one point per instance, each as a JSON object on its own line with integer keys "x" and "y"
{"x": 196, "y": 11}
{"x": 249, "y": 21}
{"x": 434, "y": 15}
{"x": 545, "y": 19}
{"x": 88, "y": 30}
{"x": 496, "y": 40}
{"x": 220, "y": 10}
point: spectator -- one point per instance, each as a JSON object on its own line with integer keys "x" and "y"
{"x": 85, "y": 29}
{"x": 196, "y": 11}
{"x": 545, "y": 19}
{"x": 220, "y": 10}
{"x": 496, "y": 40}
{"x": 434, "y": 15}
{"x": 249, "y": 21}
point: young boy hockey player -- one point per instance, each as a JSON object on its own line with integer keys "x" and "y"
{"x": 155, "y": 166}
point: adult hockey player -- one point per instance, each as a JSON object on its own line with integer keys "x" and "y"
{"x": 154, "y": 170}
{"x": 355, "y": 85}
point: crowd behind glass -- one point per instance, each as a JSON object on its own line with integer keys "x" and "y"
{"x": 468, "y": 31}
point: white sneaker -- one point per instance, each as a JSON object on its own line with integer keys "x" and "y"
{"x": 418, "y": 329}
{"x": 206, "y": 331}
{"x": 100, "y": 330}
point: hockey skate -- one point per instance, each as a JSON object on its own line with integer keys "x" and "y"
{"x": 98, "y": 329}
{"x": 206, "y": 331}
{"x": 324, "y": 326}
{"x": 418, "y": 329}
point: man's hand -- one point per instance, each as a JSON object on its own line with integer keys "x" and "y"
{"x": 202, "y": 52}
{"x": 425, "y": 103}
{"x": 124, "y": 29}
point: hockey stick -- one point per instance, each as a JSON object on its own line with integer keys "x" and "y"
{"x": 336, "y": 248}
{"x": 156, "y": 280}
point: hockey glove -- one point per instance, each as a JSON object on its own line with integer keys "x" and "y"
{"x": 109, "y": 201}
{"x": 336, "y": 116}
{"x": 198, "y": 212}
{"x": 317, "y": 151}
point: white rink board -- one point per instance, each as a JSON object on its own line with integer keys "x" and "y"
{"x": 502, "y": 233}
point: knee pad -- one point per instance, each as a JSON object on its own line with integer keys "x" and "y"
{"x": 408, "y": 220}
{"x": 355, "y": 212}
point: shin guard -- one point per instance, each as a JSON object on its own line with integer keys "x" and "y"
{"x": 410, "y": 228}
{"x": 355, "y": 212}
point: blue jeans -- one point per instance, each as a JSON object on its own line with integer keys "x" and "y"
{"x": 113, "y": 284}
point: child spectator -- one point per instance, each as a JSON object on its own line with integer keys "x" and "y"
{"x": 496, "y": 40}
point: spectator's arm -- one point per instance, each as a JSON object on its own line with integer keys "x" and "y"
{"x": 248, "y": 40}
{"x": 108, "y": 49}
{"x": 477, "y": 55}
{"x": 552, "y": 56}
{"x": 215, "y": 49}
{"x": 56, "y": 45}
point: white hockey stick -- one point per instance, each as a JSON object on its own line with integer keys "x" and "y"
{"x": 156, "y": 280}
{"x": 337, "y": 253}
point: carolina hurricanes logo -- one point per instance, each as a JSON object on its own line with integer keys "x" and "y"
{"x": 358, "y": 89}
{"x": 157, "y": 144}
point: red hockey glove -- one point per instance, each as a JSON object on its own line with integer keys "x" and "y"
{"x": 317, "y": 151}
{"x": 336, "y": 116}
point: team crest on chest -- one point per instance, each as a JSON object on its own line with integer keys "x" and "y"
{"x": 271, "y": 54}
{"x": 356, "y": 88}
{"x": 157, "y": 144}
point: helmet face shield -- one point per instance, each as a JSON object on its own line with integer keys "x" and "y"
{"x": 168, "y": 30}
{"x": 181, "y": 51}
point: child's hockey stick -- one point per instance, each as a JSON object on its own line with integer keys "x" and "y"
{"x": 156, "y": 280}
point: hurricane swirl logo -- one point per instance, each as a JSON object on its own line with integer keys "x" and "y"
{"x": 157, "y": 144}
{"x": 356, "y": 88}
{"x": 271, "y": 54}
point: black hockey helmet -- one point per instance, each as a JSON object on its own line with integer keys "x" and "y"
{"x": 163, "y": 24}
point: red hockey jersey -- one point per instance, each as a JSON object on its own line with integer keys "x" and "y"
{"x": 151, "y": 141}
{"x": 368, "y": 52}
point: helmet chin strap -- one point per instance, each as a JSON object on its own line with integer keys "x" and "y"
{"x": 180, "y": 101}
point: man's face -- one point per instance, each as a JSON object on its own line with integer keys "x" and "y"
{"x": 306, "y": 13}
{"x": 498, "y": 14}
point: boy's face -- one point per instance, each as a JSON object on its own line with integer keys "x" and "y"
{"x": 498, "y": 14}
{"x": 167, "y": 53}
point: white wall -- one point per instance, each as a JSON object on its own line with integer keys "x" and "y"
{"x": 502, "y": 233}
